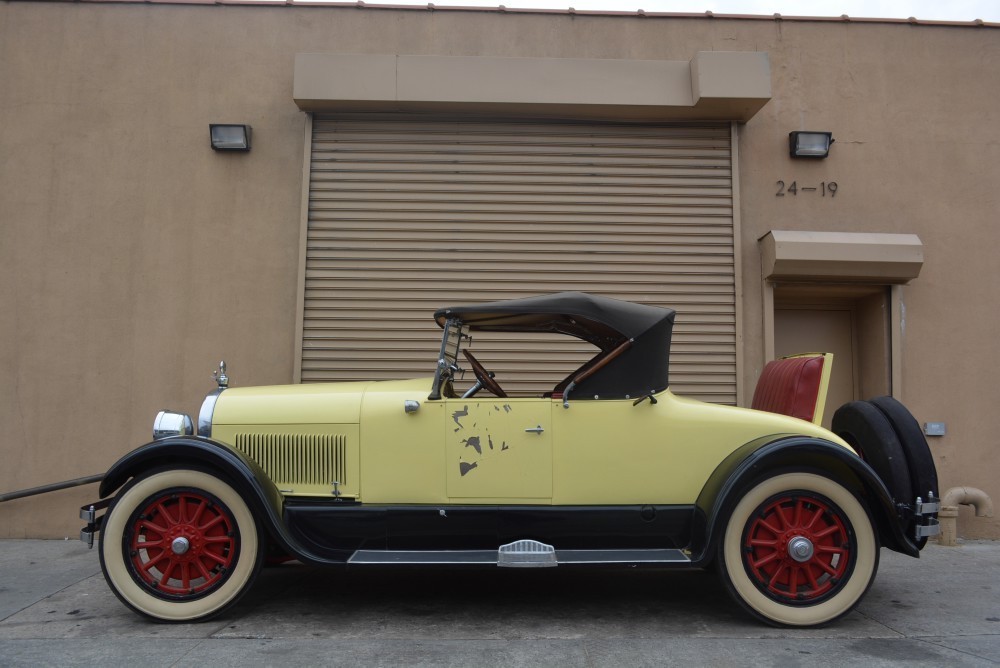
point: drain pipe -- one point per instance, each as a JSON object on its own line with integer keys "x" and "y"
{"x": 948, "y": 515}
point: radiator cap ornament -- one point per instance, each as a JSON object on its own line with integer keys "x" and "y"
{"x": 220, "y": 376}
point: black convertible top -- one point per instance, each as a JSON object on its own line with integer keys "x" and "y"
{"x": 607, "y": 323}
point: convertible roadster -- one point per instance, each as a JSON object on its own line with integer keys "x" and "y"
{"x": 608, "y": 467}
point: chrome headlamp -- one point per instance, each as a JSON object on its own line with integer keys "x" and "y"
{"x": 169, "y": 423}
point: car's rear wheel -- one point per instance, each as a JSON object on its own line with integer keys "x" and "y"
{"x": 180, "y": 545}
{"x": 798, "y": 550}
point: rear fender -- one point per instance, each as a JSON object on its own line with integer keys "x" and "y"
{"x": 773, "y": 454}
{"x": 245, "y": 476}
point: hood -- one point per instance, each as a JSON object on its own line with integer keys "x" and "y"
{"x": 319, "y": 403}
{"x": 311, "y": 403}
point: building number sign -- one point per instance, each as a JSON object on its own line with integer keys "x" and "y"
{"x": 825, "y": 188}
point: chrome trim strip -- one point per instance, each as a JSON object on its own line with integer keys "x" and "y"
{"x": 644, "y": 556}
{"x": 207, "y": 411}
{"x": 490, "y": 557}
{"x": 428, "y": 557}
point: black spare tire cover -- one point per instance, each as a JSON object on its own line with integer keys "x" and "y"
{"x": 867, "y": 430}
{"x": 923, "y": 474}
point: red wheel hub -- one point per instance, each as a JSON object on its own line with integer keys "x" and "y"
{"x": 797, "y": 548}
{"x": 182, "y": 543}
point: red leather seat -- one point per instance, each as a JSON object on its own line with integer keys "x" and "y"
{"x": 794, "y": 386}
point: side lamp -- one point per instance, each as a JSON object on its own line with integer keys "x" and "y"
{"x": 228, "y": 137}
{"x": 809, "y": 144}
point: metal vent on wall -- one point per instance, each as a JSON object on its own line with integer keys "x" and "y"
{"x": 311, "y": 459}
{"x": 408, "y": 214}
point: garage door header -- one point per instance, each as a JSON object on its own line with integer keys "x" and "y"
{"x": 714, "y": 85}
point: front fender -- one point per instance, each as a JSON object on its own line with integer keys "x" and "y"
{"x": 772, "y": 454}
{"x": 243, "y": 474}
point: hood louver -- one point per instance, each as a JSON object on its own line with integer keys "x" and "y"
{"x": 299, "y": 461}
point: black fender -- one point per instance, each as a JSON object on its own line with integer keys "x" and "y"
{"x": 245, "y": 476}
{"x": 782, "y": 452}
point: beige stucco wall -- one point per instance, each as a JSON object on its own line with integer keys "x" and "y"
{"x": 915, "y": 115}
{"x": 132, "y": 257}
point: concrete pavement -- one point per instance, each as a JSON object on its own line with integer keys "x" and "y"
{"x": 55, "y": 609}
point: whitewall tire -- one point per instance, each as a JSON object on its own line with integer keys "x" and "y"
{"x": 798, "y": 550}
{"x": 180, "y": 545}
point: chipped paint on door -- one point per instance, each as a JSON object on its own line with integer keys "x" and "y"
{"x": 489, "y": 453}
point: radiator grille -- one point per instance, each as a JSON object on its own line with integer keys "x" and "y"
{"x": 309, "y": 459}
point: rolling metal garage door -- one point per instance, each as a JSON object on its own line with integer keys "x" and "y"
{"x": 408, "y": 215}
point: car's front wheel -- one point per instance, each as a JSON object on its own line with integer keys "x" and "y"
{"x": 180, "y": 545}
{"x": 798, "y": 550}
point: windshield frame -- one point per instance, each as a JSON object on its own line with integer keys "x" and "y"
{"x": 454, "y": 332}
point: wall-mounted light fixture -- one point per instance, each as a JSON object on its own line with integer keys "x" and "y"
{"x": 230, "y": 137}
{"x": 809, "y": 144}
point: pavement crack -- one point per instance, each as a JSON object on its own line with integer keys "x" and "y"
{"x": 955, "y": 649}
{"x": 880, "y": 623}
{"x": 194, "y": 648}
{"x": 48, "y": 596}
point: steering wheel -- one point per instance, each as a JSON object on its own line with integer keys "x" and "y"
{"x": 484, "y": 377}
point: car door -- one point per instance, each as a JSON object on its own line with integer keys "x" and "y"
{"x": 499, "y": 450}
{"x": 613, "y": 452}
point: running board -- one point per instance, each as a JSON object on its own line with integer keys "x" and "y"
{"x": 520, "y": 554}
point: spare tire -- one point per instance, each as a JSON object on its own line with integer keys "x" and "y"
{"x": 869, "y": 432}
{"x": 923, "y": 474}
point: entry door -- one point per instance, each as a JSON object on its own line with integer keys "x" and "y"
{"x": 499, "y": 449}
{"x": 800, "y": 330}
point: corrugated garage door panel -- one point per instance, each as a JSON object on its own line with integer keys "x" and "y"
{"x": 406, "y": 216}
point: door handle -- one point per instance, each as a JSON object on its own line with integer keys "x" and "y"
{"x": 535, "y": 430}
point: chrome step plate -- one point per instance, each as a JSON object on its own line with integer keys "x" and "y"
{"x": 526, "y": 554}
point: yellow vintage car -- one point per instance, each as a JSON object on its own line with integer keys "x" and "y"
{"x": 609, "y": 467}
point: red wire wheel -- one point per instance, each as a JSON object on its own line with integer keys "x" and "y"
{"x": 797, "y": 547}
{"x": 181, "y": 543}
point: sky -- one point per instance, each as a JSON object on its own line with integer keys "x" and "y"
{"x": 929, "y": 10}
